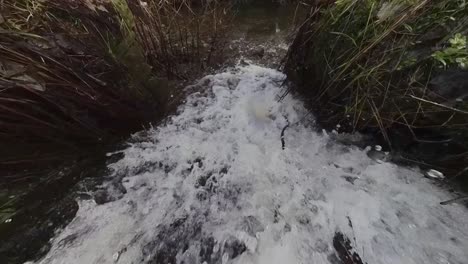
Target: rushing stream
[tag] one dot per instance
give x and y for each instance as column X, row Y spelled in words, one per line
column 214, row 185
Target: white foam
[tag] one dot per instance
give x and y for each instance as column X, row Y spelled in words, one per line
column 214, row 183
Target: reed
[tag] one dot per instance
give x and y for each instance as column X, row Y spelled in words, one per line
column 85, row 72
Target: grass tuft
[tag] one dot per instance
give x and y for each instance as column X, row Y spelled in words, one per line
column 373, row 65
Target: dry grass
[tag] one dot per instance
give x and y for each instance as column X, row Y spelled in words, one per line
column 179, row 39
column 60, row 60
column 76, row 76
column 55, row 86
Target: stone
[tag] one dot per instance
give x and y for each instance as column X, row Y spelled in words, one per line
column 258, row 52
column 101, row 197
column 451, row 84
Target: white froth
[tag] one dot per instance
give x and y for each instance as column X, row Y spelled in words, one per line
column 215, row 179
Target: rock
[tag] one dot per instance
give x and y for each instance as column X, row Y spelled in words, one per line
column 232, row 83
column 344, row 250
column 451, row 84
column 101, row 197
column 242, row 62
column 251, row 225
column 258, row 52
column 234, row 248
column 434, row 34
column 378, row 156
column 350, row 179
column 303, row 219
column 321, row 246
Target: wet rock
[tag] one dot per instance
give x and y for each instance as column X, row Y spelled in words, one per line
column 349, row 178
column 169, row 168
column 206, row 251
column 321, row 246
column 333, row 259
column 276, row 216
column 314, row 209
column 434, row 34
column 115, row 190
column 201, row 181
column 451, row 85
column 378, row 156
column 347, row 169
column 199, row 161
column 303, row 219
column 172, row 239
column 202, row 195
column 224, row 170
column 233, row 247
column 258, row 52
column 145, row 167
column 22, row 243
column 68, row 239
column 102, row 197
column 232, row 83
column 242, row 62
column 344, row 251
column 316, row 196
column 251, row 225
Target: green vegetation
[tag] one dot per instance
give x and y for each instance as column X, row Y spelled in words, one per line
column 391, row 68
column 455, row 54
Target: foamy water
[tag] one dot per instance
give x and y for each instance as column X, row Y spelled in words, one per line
column 213, row 185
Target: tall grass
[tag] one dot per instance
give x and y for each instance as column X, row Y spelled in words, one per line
column 180, row 39
column 76, row 76
column 55, row 86
column 368, row 65
column 83, row 71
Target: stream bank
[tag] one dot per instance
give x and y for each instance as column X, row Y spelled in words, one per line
column 53, row 177
column 394, row 71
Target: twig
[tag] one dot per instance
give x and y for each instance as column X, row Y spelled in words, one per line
column 458, row 199
column 439, row 105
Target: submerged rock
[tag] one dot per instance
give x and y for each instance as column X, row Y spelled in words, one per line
column 345, row 252
column 258, row 52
